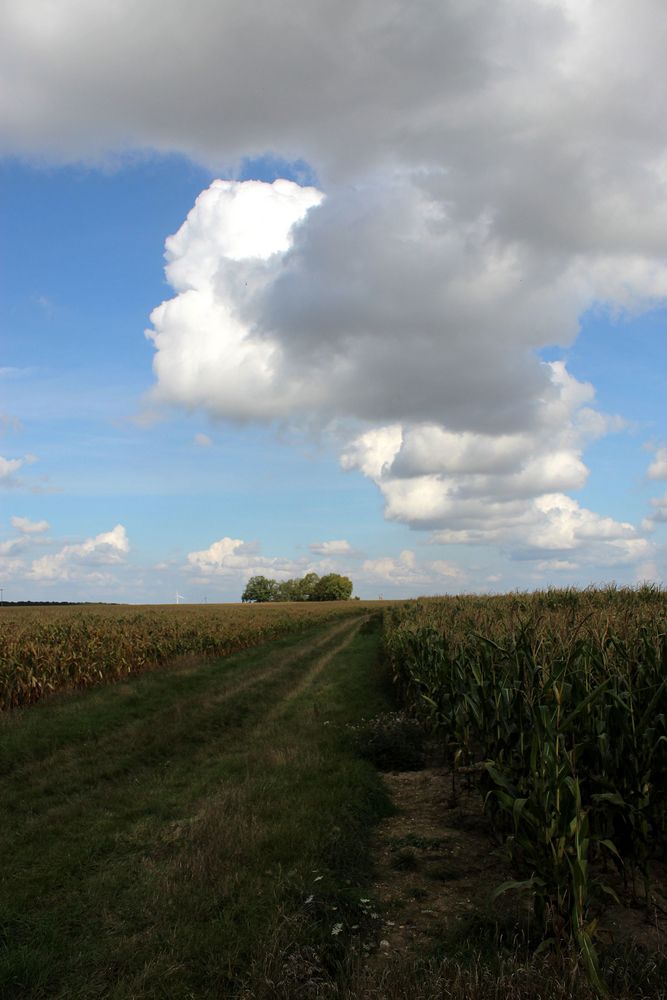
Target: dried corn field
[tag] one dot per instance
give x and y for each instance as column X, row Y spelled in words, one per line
column 555, row 704
column 47, row 649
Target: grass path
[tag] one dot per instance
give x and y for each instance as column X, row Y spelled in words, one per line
column 160, row 837
column 319, row 664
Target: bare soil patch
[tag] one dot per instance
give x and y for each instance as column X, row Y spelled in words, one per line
column 437, row 865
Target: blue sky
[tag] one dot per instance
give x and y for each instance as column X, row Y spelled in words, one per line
column 386, row 357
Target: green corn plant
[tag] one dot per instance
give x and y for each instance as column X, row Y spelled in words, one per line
column 563, row 694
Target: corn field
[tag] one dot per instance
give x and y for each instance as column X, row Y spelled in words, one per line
column 556, row 703
column 46, row 649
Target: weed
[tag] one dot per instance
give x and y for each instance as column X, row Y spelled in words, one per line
column 392, row 741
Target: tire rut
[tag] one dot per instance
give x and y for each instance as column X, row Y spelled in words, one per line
column 318, row 667
column 276, row 666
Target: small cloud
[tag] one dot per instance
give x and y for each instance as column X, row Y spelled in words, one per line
column 658, row 467
column 9, row 423
column 46, row 305
column 8, row 469
column 648, row 572
column 146, row 418
column 203, row 440
column 659, row 515
column 12, row 545
column 27, row 527
column 442, row 568
column 336, row 547
column 558, row 565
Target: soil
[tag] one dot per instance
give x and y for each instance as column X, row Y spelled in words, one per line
column 437, row 865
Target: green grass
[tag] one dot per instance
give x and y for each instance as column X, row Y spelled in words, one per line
column 161, row 837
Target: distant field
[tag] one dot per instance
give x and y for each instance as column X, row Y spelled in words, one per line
column 47, row 649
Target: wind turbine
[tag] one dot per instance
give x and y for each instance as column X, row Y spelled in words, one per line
column 179, row 597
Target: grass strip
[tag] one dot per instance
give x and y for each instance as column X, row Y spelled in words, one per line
column 174, row 836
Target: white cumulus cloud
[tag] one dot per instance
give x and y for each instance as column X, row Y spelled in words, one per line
column 27, row 527
column 232, row 557
column 659, row 513
column 230, row 245
column 408, row 572
column 8, row 469
column 492, row 170
column 382, row 307
column 658, row 467
column 86, row 560
column 505, row 489
column 336, row 547
column 12, row 545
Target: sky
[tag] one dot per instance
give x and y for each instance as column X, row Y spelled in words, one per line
column 373, row 287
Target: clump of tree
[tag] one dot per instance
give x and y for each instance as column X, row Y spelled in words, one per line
column 311, row 587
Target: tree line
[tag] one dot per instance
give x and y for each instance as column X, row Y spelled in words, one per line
column 311, row 587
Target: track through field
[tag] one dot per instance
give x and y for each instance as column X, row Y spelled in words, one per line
column 158, row 835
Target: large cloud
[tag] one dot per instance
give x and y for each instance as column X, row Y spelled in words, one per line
column 507, row 489
column 486, row 84
column 492, row 169
column 345, row 82
column 222, row 256
column 375, row 305
column 394, row 313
